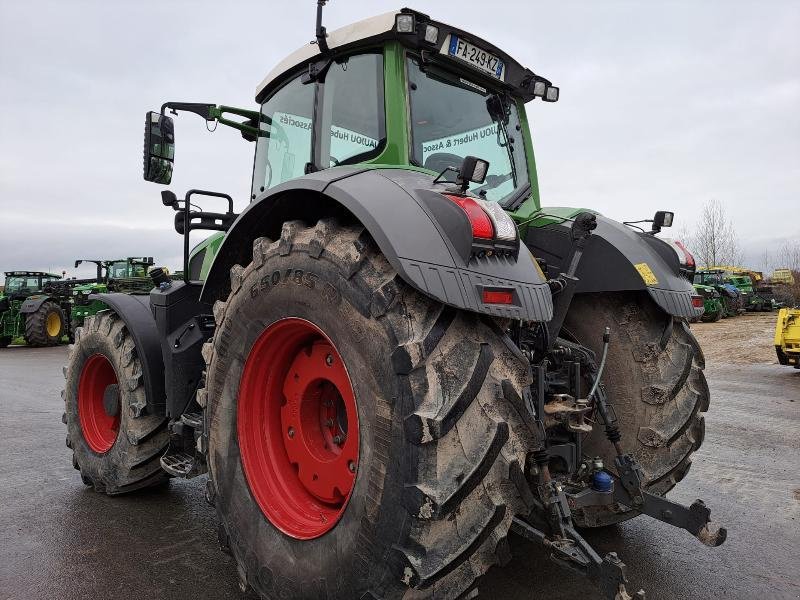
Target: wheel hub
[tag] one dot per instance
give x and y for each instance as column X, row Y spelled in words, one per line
column 316, row 414
column 98, row 403
column 298, row 428
column 53, row 324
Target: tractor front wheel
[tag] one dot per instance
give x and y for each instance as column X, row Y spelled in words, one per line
column 45, row 326
column 363, row 439
column 116, row 437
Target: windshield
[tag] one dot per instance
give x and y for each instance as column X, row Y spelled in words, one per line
column 15, row 284
column 452, row 118
column 118, row 269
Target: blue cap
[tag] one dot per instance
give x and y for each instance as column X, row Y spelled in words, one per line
column 602, row 481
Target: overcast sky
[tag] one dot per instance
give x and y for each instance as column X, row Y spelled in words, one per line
column 664, row 105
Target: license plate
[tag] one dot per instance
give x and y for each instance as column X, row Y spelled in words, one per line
column 477, row 57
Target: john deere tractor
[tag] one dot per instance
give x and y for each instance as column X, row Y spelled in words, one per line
column 30, row 311
column 731, row 297
column 713, row 309
column 125, row 275
column 394, row 357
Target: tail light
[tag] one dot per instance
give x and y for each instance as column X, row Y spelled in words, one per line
column 481, row 223
column 697, row 301
column 493, row 231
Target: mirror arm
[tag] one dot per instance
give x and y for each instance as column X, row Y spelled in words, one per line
column 199, row 108
column 212, row 112
column 253, row 116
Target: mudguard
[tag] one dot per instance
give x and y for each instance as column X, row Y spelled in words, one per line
column 32, row 303
column 415, row 227
column 617, row 258
column 136, row 313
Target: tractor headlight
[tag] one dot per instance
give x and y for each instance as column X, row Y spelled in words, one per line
column 431, row 34
column 404, row 23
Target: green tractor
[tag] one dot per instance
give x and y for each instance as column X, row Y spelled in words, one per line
column 394, row 357
column 731, row 297
column 713, row 309
column 744, row 284
column 30, row 310
column 124, row 275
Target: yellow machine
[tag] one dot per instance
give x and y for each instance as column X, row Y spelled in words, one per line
column 783, row 276
column 787, row 337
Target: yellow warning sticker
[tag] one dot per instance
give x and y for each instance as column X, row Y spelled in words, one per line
column 647, row 274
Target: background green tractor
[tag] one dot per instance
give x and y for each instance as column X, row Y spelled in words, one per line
column 124, row 275
column 713, row 309
column 30, row 311
column 744, row 283
column 730, row 296
column 392, row 358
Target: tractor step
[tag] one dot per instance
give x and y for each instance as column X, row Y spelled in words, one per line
column 178, row 464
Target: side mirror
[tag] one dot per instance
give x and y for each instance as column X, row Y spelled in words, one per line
column 159, row 147
column 663, row 218
column 168, row 198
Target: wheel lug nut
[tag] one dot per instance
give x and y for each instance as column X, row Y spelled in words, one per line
column 352, row 466
column 329, row 422
column 338, row 440
column 290, row 433
column 329, row 360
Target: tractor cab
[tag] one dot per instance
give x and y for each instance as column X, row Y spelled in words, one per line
column 21, row 284
column 133, row 266
column 384, row 92
column 399, row 89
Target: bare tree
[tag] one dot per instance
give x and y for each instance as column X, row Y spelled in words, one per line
column 766, row 261
column 789, row 255
column 715, row 241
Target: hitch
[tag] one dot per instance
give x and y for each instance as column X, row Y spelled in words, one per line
column 575, row 553
column 696, row 519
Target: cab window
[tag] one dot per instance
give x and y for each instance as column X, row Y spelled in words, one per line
column 284, row 147
column 352, row 111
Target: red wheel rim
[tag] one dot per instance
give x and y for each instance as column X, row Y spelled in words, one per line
column 298, row 428
column 99, row 428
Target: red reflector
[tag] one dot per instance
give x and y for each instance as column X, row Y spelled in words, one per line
column 697, row 301
column 480, row 221
column 498, row 297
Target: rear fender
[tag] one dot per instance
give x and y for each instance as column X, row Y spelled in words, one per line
column 420, row 232
column 138, row 318
column 617, row 258
column 32, row 303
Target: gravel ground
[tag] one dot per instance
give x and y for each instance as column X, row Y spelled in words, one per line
column 60, row 540
column 743, row 340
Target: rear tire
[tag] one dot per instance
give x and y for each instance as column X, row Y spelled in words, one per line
column 654, row 379
column 116, row 438
column 441, row 443
column 5, row 341
column 46, row 326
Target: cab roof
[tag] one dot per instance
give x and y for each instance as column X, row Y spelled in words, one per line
column 381, row 28
column 30, row 274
